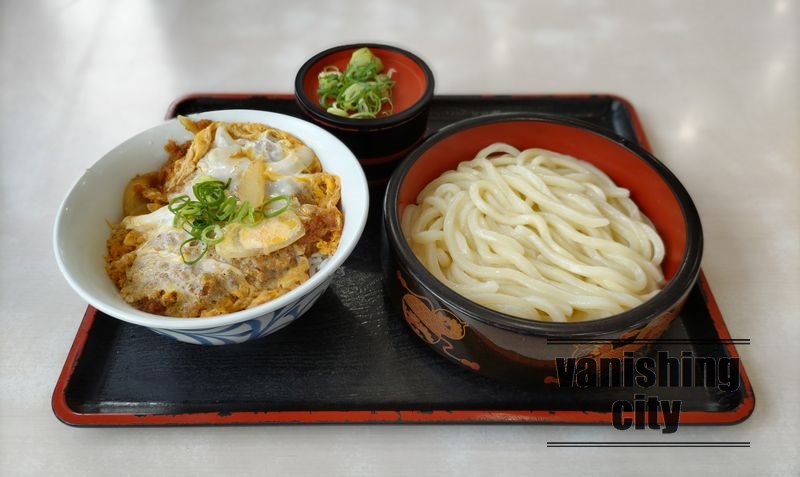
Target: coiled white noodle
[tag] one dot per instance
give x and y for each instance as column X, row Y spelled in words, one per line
column 536, row 234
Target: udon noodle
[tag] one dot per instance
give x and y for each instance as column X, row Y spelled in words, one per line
column 536, row 234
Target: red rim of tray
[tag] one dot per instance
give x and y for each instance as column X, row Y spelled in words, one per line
column 68, row 415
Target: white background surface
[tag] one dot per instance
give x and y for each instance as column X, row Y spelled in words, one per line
column 715, row 84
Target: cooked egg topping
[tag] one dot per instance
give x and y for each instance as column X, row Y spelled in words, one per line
column 249, row 261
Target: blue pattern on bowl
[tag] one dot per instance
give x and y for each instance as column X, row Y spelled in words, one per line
column 250, row 329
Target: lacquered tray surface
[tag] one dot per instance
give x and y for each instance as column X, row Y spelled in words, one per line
column 351, row 358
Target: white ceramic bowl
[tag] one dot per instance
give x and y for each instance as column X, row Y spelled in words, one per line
column 81, row 230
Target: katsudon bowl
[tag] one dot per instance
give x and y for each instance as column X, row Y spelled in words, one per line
column 81, row 230
column 523, row 350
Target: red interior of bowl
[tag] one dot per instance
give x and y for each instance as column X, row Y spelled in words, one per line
column 410, row 82
column 648, row 189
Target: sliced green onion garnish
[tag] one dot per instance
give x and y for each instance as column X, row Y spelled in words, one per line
column 271, row 212
column 361, row 91
column 192, row 259
column 212, row 234
column 178, row 203
column 227, row 209
column 204, row 219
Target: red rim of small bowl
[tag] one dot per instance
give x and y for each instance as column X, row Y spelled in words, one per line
column 312, row 106
column 676, row 288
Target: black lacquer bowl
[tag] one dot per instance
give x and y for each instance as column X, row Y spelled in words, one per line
column 379, row 143
column 512, row 348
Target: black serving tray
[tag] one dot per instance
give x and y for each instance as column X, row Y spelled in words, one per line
column 351, row 358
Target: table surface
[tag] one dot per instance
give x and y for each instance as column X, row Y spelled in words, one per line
column 715, row 84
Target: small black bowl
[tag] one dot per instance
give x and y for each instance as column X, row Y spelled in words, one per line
column 381, row 142
column 512, row 348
